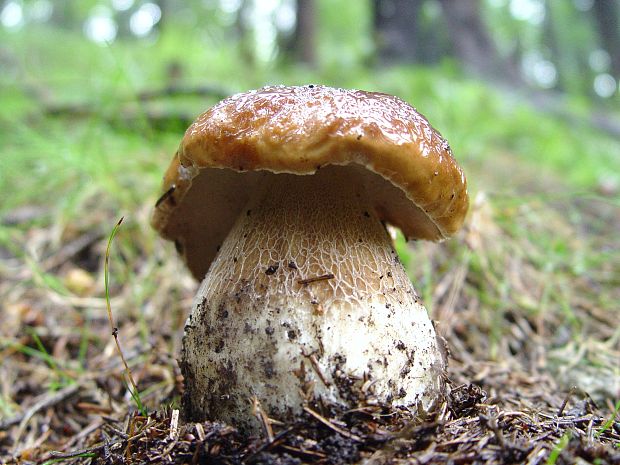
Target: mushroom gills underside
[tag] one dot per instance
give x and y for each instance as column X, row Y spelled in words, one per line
column 307, row 301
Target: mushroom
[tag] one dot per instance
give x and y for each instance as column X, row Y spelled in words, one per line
column 277, row 199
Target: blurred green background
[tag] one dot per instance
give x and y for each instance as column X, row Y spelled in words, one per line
column 85, row 83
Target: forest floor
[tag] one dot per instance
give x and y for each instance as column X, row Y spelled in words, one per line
column 530, row 383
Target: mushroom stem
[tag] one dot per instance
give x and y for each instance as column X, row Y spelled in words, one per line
column 307, row 299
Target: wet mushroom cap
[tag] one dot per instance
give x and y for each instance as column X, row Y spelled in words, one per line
column 405, row 165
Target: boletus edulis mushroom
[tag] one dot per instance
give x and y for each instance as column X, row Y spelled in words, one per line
column 277, row 199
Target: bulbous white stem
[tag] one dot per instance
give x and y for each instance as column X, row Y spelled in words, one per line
column 307, row 299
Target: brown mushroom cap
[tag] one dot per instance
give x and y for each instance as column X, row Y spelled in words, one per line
column 407, row 168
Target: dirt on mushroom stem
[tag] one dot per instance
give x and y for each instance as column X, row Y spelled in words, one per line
column 343, row 326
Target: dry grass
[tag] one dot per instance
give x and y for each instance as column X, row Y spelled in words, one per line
column 526, row 297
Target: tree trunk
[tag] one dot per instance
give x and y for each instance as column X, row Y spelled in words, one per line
column 304, row 37
column 300, row 45
column 244, row 36
column 472, row 43
column 397, row 28
column 64, row 15
column 606, row 15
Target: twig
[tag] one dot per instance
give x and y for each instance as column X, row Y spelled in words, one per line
column 128, row 113
column 105, row 445
column 200, row 432
column 174, row 424
column 330, row 425
column 260, row 414
column 77, row 453
column 107, row 450
column 315, row 365
column 47, row 401
column 71, row 249
column 571, row 391
column 175, row 90
column 491, row 422
column 122, row 434
column 314, row 279
column 96, row 424
column 299, row 451
column 268, row 445
column 124, row 117
column 165, row 452
column 133, row 435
